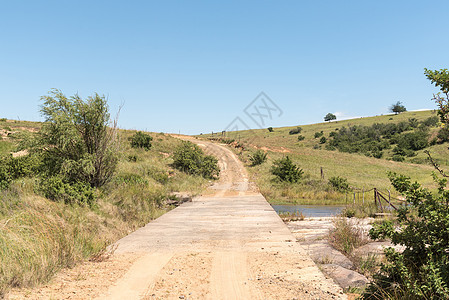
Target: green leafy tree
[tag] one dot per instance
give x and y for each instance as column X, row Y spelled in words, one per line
column 285, row 170
column 329, row 117
column 397, row 108
column 78, row 139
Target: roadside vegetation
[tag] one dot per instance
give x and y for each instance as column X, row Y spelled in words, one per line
column 77, row 185
column 421, row 270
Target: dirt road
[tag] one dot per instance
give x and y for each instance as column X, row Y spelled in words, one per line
column 227, row 244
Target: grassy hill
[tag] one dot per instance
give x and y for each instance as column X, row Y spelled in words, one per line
column 39, row 236
column 361, row 171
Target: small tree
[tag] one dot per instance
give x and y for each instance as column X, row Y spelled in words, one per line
column 329, row 117
column 270, row 129
column 76, row 139
column 286, row 170
column 397, row 108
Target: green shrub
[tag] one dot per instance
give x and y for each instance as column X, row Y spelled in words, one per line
column 13, row 168
column 285, row 170
column 301, row 138
column 318, row 134
column 270, row 129
column 377, row 153
column 421, row 270
column 258, row 157
column 416, row 140
column 403, row 152
column 295, row 131
column 54, row 188
column 398, row 157
column 190, row 159
column 322, row 140
column 413, row 122
column 431, row 121
column 339, row 183
column 3, row 119
column 443, row 135
column 141, row 140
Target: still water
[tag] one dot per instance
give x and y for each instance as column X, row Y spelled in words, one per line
column 311, row 210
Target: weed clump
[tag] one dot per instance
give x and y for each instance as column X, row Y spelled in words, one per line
column 346, row 237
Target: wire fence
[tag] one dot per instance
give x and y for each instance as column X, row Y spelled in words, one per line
column 383, row 199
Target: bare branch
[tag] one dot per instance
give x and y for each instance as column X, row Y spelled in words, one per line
column 435, row 164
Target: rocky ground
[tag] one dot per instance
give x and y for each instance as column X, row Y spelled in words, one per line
column 312, row 234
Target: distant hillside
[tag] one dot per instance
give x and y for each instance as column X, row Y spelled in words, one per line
column 312, row 153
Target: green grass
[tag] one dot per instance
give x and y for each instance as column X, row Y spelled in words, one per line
column 38, row 236
column 361, row 171
column 6, row 147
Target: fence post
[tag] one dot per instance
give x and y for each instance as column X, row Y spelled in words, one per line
column 363, row 196
column 375, row 196
column 322, row 173
column 389, row 199
column 354, row 198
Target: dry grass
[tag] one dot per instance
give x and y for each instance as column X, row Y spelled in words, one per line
column 38, row 237
column 345, row 237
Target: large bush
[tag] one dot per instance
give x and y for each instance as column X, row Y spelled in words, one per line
column 77, row 140
column 285, row 170
column 141, row 140
column 56, row 189
column 189, row 158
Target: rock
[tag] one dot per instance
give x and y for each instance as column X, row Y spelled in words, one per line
column 322, row 253
column 344, row 277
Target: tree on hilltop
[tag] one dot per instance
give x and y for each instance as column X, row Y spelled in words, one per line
column 329, row 117
column 397, row 108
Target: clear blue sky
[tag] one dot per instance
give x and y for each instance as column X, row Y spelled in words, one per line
column 193, row 66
